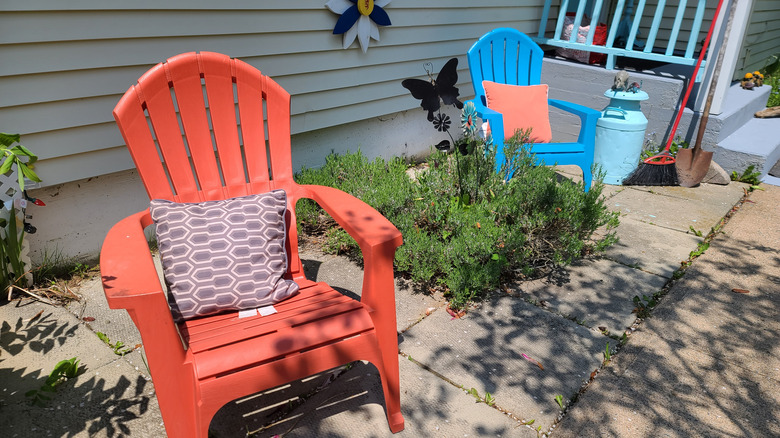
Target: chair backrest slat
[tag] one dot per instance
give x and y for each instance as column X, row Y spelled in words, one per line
column 278, row 108
column 250, row 107
column 157, row 99
column 131, row 119
column 218, row 78
column 188, row 95
column 505, row 56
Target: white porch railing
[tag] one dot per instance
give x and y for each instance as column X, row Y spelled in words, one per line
column 624, row 28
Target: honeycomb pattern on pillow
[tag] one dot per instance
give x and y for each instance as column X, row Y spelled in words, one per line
column 223, row 255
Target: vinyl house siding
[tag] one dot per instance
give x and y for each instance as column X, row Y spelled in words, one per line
column 761, row 45
column 67, row 63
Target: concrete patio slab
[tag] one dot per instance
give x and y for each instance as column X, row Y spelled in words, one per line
column 660, row 388
column 706, row 363
column 485, row 349
column 651, row 248
column 666, row 206
column 35, row 340
column 596, row 293
column 711, row 194
column 114, row 323
column 707, row 315
column 108, row 399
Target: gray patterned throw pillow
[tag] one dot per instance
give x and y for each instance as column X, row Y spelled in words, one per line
column 223, row 255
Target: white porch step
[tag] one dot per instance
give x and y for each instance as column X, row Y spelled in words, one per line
column 756, row 143
column 739, row 107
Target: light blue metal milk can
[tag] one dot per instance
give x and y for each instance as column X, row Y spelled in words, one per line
column 620, row 133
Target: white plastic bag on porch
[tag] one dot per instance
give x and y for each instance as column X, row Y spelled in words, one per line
column 599, row 39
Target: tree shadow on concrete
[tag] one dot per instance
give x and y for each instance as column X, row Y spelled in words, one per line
column 498, row 348
column 707, row 362
column 98, row 401
column 41, row 334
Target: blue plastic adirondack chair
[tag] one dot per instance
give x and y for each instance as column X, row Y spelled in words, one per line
column 508, row 56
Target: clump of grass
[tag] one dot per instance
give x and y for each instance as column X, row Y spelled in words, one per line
column 467, row 245
column 772, row 78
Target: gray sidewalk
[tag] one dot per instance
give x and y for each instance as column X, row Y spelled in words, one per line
column 705, row 364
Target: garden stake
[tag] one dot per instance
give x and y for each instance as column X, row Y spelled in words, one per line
column 659, row 170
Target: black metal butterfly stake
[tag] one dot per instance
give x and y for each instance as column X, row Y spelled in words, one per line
column 433, row 92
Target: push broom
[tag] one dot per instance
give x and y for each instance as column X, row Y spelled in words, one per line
column 660, row 170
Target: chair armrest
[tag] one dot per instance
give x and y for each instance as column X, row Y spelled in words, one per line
column 588, row 118
column 366, row 225
column 494, row 118
column 378, row 239
column 126, row 265
column 130, row 282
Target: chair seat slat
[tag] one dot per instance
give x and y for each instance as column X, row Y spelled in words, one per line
column 259, row 349
column 226, row 331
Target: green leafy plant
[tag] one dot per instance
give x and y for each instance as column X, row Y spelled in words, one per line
column 559, row 400
column 80, row 269
column 651, row 146
column 12, row 268
column 467, row 226
column 64, row 370
column 13, row 155
column 643, row 306
column 749, row 176
column 607, row 354
column 488, row 399
column 700, row 248
column 774, row 95
column 695, row 232
column 772, row 78
column 467, row 245
column 120, row 349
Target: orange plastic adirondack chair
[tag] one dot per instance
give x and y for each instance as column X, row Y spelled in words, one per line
column 224, row 357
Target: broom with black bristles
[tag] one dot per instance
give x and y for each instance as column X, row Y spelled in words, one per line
column 659, row 170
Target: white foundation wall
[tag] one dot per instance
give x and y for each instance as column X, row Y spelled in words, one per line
column 78, row 214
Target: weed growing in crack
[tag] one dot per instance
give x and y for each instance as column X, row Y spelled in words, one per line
column 643, row 306
column 559, row 400
column 64, row 370
column 700, row 248
column 119, row 347
column 488, row 399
